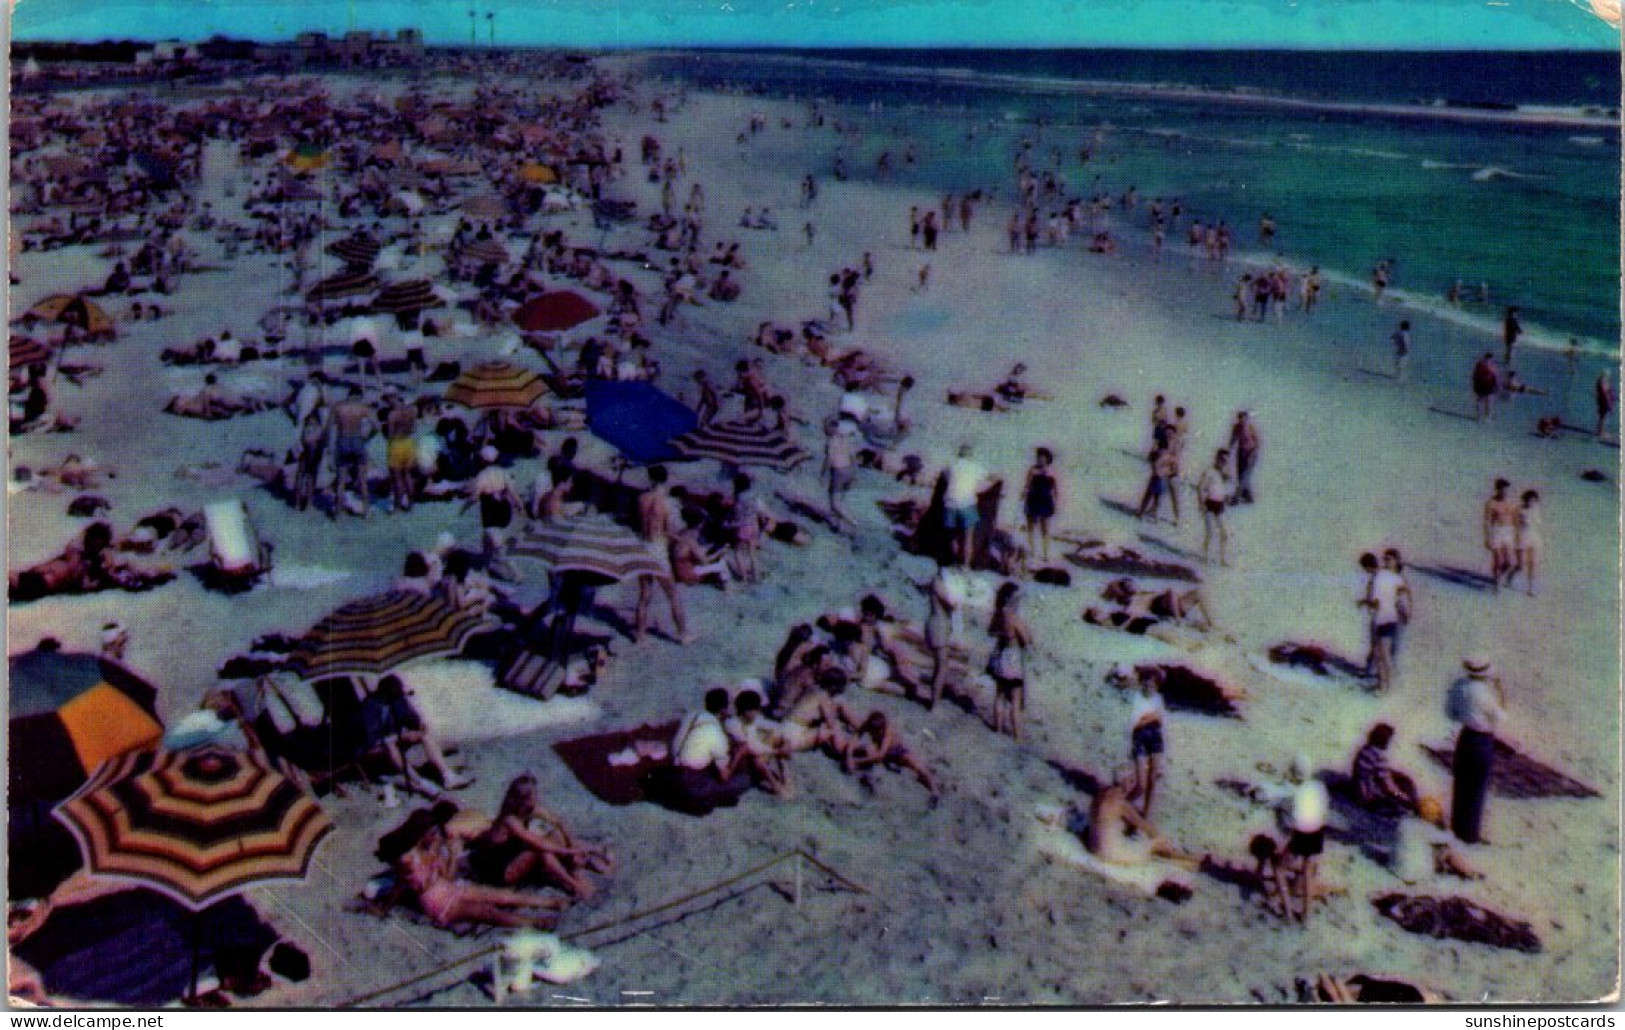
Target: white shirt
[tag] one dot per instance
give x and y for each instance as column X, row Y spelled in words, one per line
column 1145, row 707
column 1385, row 589
column 1475, row 706
column 965, row 478
column 701, row 743
column 1309, row 805
column 492, row 480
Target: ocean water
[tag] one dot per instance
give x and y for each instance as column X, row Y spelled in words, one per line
column 1530, row 210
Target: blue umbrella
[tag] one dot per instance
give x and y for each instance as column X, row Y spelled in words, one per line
column 638, row 420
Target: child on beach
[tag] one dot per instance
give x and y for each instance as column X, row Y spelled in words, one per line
column 1007, row 662
column 1213, row 488
column 1145, row 735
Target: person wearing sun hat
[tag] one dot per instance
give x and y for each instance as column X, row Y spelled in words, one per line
column 1477, row 702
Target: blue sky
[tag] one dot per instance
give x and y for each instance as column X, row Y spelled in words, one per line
column 1377, row 24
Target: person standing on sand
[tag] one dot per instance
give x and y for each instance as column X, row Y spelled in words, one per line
column 1307, row 822
column 944, row 596
column 1040, row 499
column 1007, row 663
column 913, row 228
column 1145, row 733
column 1477, row 703
column 1213, row 490
column 1605, row 401
column 966, row 481
column 657, row 524
column 1164, row 462
column 840, row 458
column 1531, row 540
column 1393, row 561
column 1379, row 280
column 1386, row 598
column 1311, row 289
column 709, row 403
column 1486, row 384
column 1402, row 348
column 1244, row 444
column 1501, row 534
column 401, row 454
column 1511, row 330
column 351, row 424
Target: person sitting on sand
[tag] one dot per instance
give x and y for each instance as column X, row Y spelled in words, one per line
column 425, row 860
column 1376, row 784
column 878, row 656
column 758, row 747
column 1117, row 832
column 876, row 744
column 693, row 561
column 526, row 841
column 389, row 717
column 818, row 718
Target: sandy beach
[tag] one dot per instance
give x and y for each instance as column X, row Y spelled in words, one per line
column 965, row 902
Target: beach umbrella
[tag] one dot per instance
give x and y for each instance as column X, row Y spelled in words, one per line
column 307, row 157
column 496, row 385
column 538, row 174
column 486, row 206
column 348, row 283
column 360, row 250
column 637, row 419
column 77, row 311
column 373, row 635
column 554, row 312
column 195, row 826
column 407, row 298
column 160, row 169
column 69, row 713
column 485, row 252
column 742, row 444
column 591, row 543
column 25, row 351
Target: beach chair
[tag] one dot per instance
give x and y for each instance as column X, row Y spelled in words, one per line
column 237, row 556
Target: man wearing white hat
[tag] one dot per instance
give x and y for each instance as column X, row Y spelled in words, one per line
column 1477, row 701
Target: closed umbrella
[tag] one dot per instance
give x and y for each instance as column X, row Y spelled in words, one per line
column 348, row 283
column 742, row 444
column 374, row 635
column 554, row 312
column 594, row 544
column 496, row 385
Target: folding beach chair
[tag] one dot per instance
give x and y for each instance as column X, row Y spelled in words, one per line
column 237, row 556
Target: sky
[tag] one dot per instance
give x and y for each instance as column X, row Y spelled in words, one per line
column 1306, row 24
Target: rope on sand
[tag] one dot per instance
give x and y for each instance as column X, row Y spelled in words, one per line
column 487, row 952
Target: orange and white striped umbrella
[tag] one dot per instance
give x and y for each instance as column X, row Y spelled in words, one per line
column 374, row 635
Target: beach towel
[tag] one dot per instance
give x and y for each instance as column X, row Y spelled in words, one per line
column 1125, row 561
column 1456, row 918
column 637, row 419
column 1185, row 689
column 613, row 784
column 1516, row 775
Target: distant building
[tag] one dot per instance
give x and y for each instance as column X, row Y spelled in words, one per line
column 355, row 48
column 171, row 50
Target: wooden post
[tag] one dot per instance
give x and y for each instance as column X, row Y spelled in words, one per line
column 798, row 879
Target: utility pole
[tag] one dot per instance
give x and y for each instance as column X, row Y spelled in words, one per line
column 491, row 27
column 473, row 22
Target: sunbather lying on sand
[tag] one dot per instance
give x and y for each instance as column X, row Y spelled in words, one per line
column 876, row 744
column 86, row 566
column 1134, row 605
column 213, row 402
column 427, row 861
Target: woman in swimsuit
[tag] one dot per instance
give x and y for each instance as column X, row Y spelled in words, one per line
column 1501, row 534
column 875, row 743
column 525, row 839
column 1530, row 519
column 425, row 859
column 1012, row 640
column 1040, row 498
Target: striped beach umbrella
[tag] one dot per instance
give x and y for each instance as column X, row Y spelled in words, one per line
column 77, row 311
column 538, row 174
column 485, row 252
column 69, row 713
column 485, row 206
column 742, row 444
column 496, row 385
column 307, row 157
column 360, row 250
column 374, row 635
column 554, row 312
column 407, row 298
column 349, row 283
column 594, row 544
column 25, row 351
column 196, row 826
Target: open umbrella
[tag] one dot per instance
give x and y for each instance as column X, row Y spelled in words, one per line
column 359, row 251
column 538, row 174
column 407, row 298
column 554, row 312
column 371, row 636
column 349, row 283
column 25, row 351
column 742, row 444
column 196, row 826
column 496, row 385
column 307, row 157
column 591, row 543
column 485, row 206
column 485, row 252
column 70, row 712
column 637, row 419
column 77, row 311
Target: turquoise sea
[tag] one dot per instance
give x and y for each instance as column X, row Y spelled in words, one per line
column 1531, row 210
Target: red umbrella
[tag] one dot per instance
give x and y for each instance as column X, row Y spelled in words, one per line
column 554, row 312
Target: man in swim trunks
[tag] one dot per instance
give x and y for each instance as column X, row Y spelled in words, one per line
column 1501, row 533
column 1486, row 384
column 1213, row 489
column 657, row 524
column 966, row 481
column 400, row 427
column 351, row 424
